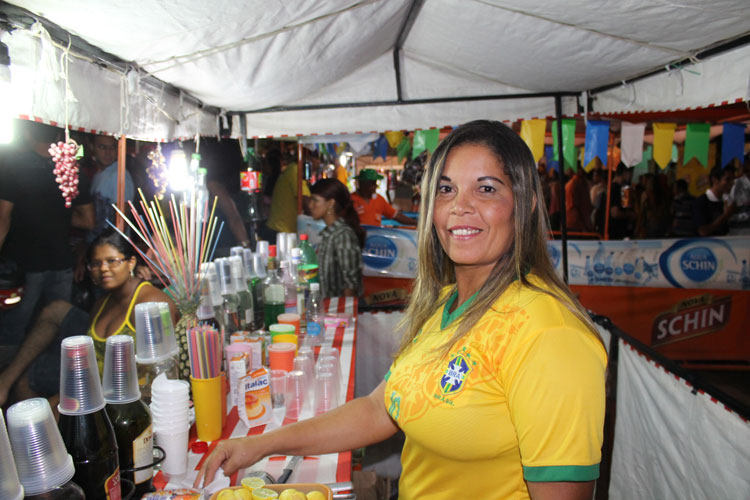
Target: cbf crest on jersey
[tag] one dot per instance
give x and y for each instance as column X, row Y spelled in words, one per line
column 453, row 379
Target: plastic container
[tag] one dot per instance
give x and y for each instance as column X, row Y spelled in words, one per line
column 10, row 486
column 120, row 378
column 80, row 387
column 151, row 341
column 278, row 488
column 41, row 459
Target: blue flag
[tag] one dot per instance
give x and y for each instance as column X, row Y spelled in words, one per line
column 552, row 164
column 597, row 141
column 380, row 147
column 732, row 143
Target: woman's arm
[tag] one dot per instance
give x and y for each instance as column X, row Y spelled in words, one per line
column 561, row 490
column 358, row 423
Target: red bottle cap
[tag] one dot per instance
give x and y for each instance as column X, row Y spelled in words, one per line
column 272, row 250
column 199, row 447
column 303, row 237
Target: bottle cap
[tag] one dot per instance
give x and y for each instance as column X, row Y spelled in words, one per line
column 80, row 386
column 120, row 379
column 10, row 486
column 303, row 237
column 272, row 250
column 42, row 461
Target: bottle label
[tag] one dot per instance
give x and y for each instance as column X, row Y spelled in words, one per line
column 313, row 328
column 143, row 454
column 112, row 486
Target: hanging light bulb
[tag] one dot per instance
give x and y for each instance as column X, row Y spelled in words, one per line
column 178, row 175
column 6, row 118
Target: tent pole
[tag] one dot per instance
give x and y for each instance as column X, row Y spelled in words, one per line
column 121, row 156
column 300, row 172
column 561, row 177
column 610, row 166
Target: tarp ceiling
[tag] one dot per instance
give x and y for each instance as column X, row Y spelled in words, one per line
column 256, row 54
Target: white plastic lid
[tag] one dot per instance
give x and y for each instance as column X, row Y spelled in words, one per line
column 314, row 287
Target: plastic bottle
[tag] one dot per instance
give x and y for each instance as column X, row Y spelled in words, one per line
column 589, row 270
column 609, row 267
column 288, row 277
column 309, row 260
column 599, row 264
column 303, row 289
column 246, row 309
column 230, row 303
column 273, row 291
column 314, row 314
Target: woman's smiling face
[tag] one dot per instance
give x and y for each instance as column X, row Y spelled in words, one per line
column 473, row 213
column 109, row 268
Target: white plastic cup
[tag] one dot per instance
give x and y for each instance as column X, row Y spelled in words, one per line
column 294, row 398
column 120, row 377
column 174, row 442
column 41, row 459
column 10, row 486
column 80, row 387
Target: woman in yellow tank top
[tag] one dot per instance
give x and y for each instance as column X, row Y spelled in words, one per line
column 111, row 262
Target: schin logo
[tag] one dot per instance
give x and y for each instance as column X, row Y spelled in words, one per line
column 699, row 264
column 691, row 318
column 379, row 252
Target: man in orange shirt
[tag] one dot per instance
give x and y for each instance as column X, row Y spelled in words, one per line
column 370, row 206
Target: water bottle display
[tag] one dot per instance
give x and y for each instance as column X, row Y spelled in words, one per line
column 315, row 319
column 273, row 291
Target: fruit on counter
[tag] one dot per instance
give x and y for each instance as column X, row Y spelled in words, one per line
column 292, row 494
column 316, row 495
column 234, row 494
column 264, row 494
column 252, row 483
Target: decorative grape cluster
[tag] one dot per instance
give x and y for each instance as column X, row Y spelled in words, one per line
column 157, row 172
column 66, row 168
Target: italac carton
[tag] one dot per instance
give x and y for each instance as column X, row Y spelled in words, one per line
column 255, row 392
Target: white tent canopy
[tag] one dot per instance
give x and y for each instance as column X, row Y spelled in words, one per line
column 398, row 64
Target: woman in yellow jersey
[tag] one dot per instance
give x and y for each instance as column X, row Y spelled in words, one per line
column 111, row 262
column 499, row 381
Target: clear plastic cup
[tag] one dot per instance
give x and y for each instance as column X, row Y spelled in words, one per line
column 277, row 379
column 41, row 459
column 329, row 360
column 151, row 345
column 281, row 246
column 170, row 338
column 326, row 393
column 10, row 486
column 295, row 396
column 259, row 264
column 261, row 248
column 329, row 351
column 120, row 377
column 304, row 363
column 80, row 387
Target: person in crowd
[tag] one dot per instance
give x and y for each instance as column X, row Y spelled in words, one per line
column 554, row 200
column 653, row 210
column 104, row 183
column 35, row 370
column 739, row 222
column 620, row 210
column 499, row 381
column 578, row 203
column 683, row 225
column 598, row 184
column 35, row 225
column 710, row 215
column 370, row 206
column 341, row 242
column 283, row 215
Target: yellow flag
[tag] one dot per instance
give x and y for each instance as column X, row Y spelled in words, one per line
column 394, row 138
column 663, row 138
column 532, row 133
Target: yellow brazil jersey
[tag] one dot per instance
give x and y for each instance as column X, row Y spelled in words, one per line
column 519, row 398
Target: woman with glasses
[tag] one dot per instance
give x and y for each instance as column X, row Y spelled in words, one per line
column 35, row 370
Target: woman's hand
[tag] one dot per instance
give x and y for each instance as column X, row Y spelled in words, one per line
column 231, row 455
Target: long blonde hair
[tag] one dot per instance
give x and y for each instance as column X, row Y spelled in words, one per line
column 528, row 252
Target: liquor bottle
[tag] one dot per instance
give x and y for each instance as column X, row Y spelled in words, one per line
column 208, row 312
column 309, row 261
column 314, row 315
column 245, row 308
column 257, row 277
column 273, row 291
column 303, row 289
column 84, row 425
column 230, row 303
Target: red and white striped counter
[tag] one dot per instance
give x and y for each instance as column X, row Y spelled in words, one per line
column 326, row 469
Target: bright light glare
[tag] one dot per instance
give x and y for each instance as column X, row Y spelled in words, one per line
column 178, row 175
column 6, row 117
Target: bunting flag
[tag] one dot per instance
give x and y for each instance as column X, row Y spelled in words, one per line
column 552, row 164
column 597, row 141
column 340, row 148
column 394, row 138
column 532, row 133
column 732, row 143
column 663, row 139
column 696, row 142
column 425, row 140
column 380, row 147
column 403, row 148
column 642, row 167
column 631, row 143
column 568, row 141
column 331, row 149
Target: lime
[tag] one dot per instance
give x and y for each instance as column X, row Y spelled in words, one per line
column 264, row 493
column 252, row 483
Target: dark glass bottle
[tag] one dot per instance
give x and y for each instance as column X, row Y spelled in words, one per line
column 68, row 491
column 135, row 443
column 90, row 440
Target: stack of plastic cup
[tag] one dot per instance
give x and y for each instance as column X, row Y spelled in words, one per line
column 42, row 461
column 80, row 387
column 261, row 248
column 120, row 378
column 295, row 396
column 170, row 414
column 304, row 363
column 153, row 342
column 10, row 486
column 169, row 334
column 277, row 381
column 326, row 392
